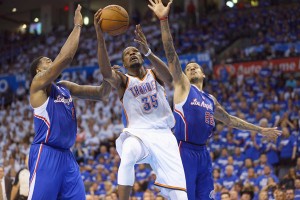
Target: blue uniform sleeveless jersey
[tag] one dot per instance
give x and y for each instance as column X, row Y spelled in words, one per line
column 54, row 172
column 56, row 126
column 194, row 125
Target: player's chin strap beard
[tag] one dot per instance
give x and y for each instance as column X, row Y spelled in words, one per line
column 195, row 80
column 136, row 65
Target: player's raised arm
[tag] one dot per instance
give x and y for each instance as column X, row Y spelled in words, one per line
column 160, row 68
column 87, row 91
column 162, row 12
column 222, row 115
column 115, row 79
column 64, row 58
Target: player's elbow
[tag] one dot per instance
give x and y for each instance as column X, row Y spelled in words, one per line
column 169, row 79
column 229, row 121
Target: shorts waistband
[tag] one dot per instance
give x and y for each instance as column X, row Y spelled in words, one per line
column 51, row 147
column 193, row 146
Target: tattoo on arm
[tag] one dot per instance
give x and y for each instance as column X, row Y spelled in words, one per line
column 169, row 48
column 241, row 124
column 229, row 120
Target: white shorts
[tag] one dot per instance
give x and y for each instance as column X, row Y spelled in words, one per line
column 162, row 153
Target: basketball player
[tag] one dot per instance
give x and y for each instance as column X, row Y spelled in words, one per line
column 195, row 111
column 147, row 137
column 54, row 173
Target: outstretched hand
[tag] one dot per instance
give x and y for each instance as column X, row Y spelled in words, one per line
column 159, row 9
column 78, row 17
column 98, row 21
column 270, row 133
column 141, row 39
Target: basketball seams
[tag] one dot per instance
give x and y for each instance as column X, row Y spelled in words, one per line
column 117, row 12
column 115, row 29
column 115, row 20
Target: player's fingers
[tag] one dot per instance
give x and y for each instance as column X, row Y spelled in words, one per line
column 98, row 11
column 140, row 29
column 151, row 7
column 100, row 21
column 116, row 67
column 138, row 41
column 156, row 1
column 78, row 8
column 151, row 2
column 98, row 15
column 136, row 34
column 159, row 1
column 169, row 4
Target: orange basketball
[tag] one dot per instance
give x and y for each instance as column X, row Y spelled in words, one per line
column 115, row 20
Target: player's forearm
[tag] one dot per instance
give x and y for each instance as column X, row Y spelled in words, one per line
column 169, row 48
column 242, row 124
column 162, row 69
column 103, row 59
column 71, row 45
column 87, row 91
column 94, row 92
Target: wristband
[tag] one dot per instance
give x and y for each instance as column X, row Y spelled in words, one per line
column 148, row 53
column 163, row 18
column 79, row 25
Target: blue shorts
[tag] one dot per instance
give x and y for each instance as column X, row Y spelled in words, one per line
column 198, row 171
column 54, row 174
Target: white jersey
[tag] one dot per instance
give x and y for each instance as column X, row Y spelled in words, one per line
column 145, row 104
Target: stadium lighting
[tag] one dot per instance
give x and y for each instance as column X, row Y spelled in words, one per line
column 229, row 4
column 234, row 1
column 86, row 20
column 36, row 19
column 24, row 26
column 14, row 10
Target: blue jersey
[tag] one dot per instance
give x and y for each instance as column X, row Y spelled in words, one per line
column 55, row 121
column 195, row 117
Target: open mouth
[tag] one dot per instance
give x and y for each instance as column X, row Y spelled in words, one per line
column 133, row 58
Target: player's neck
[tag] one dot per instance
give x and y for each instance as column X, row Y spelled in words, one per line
column 199, row 85
column 137, row 72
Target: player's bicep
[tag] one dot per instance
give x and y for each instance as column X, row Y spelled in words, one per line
column 44, row 78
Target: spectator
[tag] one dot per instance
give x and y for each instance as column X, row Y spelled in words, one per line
column 6, row 185
column 229, row 179
column 287, row 146
column 297, row 189
column 225, row 196
column 20, row 189
column 234, row 195
column 263, row 180
column 289, row 194
column 247, row 195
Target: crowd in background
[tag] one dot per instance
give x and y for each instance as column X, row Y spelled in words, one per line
column 244, row 164
column 242, row 160
column 264, row 26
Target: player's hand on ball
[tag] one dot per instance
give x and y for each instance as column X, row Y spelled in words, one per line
column 271, row 133
column 97, row 22
column 78, row 17
column 159, row 9
column 141, row 39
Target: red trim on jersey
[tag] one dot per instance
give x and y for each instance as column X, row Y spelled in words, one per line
column 47, row 123
column 185, row 124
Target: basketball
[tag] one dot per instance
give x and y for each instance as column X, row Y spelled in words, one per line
column 115, row 20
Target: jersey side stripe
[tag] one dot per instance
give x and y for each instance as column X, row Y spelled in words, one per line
column 185, row 123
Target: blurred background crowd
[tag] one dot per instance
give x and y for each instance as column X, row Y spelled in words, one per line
column 245, row 166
